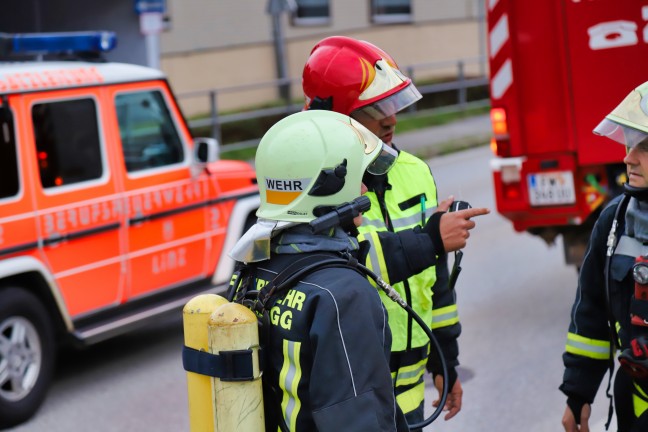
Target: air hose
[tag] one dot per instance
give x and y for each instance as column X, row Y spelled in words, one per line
column 345, row 213
column 341, row 215
column 394, row 296
column 391, row 293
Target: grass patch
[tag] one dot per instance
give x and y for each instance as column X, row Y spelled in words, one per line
column 406, row 122
column 239, row 154
column 434, row 109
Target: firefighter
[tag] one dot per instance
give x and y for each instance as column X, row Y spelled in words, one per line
column 327, row 338
column 358, row 79
column 610, row 312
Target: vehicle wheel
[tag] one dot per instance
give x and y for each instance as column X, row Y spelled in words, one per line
column 27, row 355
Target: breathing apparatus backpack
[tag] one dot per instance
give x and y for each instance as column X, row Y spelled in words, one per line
column 243, row 290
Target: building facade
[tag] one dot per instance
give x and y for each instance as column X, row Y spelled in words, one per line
column 219, row 44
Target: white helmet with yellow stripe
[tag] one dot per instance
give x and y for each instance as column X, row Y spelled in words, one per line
column 312, row 161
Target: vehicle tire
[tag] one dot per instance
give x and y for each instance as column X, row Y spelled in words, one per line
column 27, row 355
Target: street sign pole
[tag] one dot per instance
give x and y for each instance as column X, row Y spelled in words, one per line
column 276, row 8
column 151, row 15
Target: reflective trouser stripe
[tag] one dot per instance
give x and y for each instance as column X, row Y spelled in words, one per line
column 409, row 385
column 375, row 259
column 592, row 348
column 640, row 401
column 445, row 316
column 289, row 378
column 410, row 399
column 618, row 330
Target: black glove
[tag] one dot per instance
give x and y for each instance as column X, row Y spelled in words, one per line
column 452, row 377
column 575, row 404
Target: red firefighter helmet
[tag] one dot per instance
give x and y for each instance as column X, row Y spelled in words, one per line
column 346, row 75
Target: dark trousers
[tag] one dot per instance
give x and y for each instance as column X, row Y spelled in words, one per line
column 416, row 416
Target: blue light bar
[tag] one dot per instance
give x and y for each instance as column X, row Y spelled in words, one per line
column 50, row 43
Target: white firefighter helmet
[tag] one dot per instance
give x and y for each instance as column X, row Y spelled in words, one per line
column 628, row 122
column 313, row 160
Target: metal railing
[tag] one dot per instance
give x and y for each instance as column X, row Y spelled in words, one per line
column 461, row 83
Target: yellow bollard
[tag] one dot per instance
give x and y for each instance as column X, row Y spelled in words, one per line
column 195, row 317
column 239, row 404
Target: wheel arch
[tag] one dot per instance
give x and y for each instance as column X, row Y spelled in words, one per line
column 32, row 275
column 243, row 209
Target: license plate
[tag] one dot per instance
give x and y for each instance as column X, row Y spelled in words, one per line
column 551, row 188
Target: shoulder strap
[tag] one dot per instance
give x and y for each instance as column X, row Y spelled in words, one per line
column 239, row 284
column 612, row 241
column 298, row 269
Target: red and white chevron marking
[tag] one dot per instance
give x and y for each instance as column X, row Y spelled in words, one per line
column 499, row 34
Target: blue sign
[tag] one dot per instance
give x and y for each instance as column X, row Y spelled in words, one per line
column 150, row 6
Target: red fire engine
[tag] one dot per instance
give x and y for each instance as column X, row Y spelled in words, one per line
column 557, row 68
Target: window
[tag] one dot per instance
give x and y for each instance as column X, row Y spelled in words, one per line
column 9, row 184
column 67, row 142
column 311, row 12
column 391, row 11
column 149, row 136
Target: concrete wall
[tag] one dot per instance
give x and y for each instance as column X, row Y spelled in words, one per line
column 20, row 16
column 204, row 25
column 225, row 43
column 216, row 44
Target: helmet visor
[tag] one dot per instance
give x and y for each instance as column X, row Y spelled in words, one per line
column 384, row 161
column 389, row 105
column 629, row 137
column 385, row 156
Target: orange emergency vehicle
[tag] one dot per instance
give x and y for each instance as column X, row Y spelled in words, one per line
column 557, row 67
column 110, row 213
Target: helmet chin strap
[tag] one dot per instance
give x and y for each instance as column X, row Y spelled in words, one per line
column 640, row 194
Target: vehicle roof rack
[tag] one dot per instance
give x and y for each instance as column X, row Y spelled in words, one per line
column 85, row 45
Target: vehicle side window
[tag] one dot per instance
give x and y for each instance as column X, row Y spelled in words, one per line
column 9, row 184
column 67, row 142
column 149, row 136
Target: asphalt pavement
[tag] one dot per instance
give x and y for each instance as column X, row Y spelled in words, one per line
column 457, row 136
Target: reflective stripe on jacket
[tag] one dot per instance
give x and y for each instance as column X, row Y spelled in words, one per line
column 410, row 181
column 587, row 351
column 326, row 353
